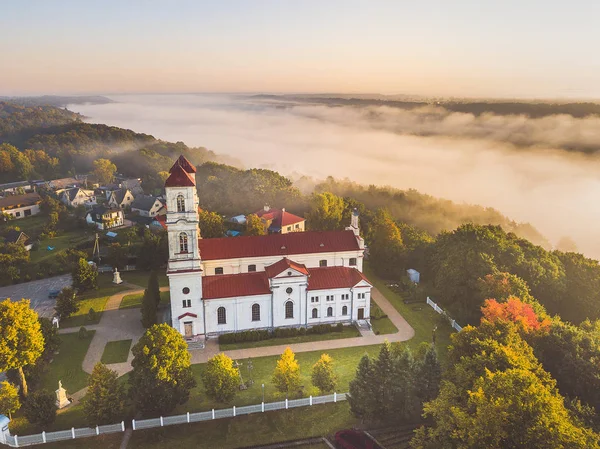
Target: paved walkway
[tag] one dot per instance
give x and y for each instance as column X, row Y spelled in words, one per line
column 37, row 292
column 405, row 332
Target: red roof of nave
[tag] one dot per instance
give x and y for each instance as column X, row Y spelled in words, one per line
column 278, row 244
column 284, row 264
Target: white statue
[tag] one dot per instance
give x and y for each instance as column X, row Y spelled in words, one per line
column 61, row 396
column 117, row 277
column 55, row 322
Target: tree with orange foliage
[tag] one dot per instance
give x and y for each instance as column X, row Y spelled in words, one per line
column 516, row 311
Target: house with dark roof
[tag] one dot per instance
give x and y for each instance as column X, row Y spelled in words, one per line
column 148, row 206
column 76, row 196
column 20, row 206
column 12, row 188
column 18, row 237
column 120, row 198
column 280, row 221
column 105, row 217
column 285, row 279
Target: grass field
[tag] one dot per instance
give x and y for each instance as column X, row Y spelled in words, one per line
column 60, row 242
column 140, row 278
column 116, row 351
column 66, row 365
column 95, row 299
column 249, row 430
column 131, row 301
column 348, row 332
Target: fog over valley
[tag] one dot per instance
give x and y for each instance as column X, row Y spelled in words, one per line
column 543, row 170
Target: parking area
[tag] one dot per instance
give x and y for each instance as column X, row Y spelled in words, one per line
column 37, row 291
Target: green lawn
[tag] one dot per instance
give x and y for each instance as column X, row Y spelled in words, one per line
column 30, row 225
column 250, row 430
column 95, row 299
column 131, row 301
column 348, row 332
column 140, row 278
column 60, row 242
column 116, row 351
column 383, row 326
column 66, row 365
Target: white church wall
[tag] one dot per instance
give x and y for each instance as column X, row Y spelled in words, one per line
column 238, row 313
column 281, row 295
column 337, row 303
column 177, row 283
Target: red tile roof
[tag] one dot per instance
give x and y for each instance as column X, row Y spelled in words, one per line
column 278, row 244
column 185, row 164
column 230, row 285
column 279, row 217
column 334, row 277
column 179, row 178
column 252, row 284
column 283, row 265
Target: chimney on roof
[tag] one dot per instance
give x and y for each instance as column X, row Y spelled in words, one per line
column 282, row 210
column 267, row 208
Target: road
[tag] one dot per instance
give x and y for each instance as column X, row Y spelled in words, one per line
column 37, row 292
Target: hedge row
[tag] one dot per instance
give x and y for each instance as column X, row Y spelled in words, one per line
column 282, row 332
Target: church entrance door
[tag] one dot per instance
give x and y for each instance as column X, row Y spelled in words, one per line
column 188, row 329
column 361, row 313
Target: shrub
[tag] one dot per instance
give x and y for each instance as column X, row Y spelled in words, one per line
column 40, row 407
column 83, row 333
column 92, row 315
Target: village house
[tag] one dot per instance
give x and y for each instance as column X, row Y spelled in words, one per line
column 63, row 183
column 121, row 198
column 104, row 217
column 18, row 237
column 12, row 188
column 280, row 221
column 77, row 197
column 20, row 206
column 148, row 206
column 294, row 279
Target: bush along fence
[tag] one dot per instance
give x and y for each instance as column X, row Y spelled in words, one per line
column 139, row 424
column 439, row 310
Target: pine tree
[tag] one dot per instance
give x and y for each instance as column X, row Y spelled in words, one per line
column 104, row 402
column 153, row 287
column 428, row 375
column 221, row 379
column 286, row 376
column 384, row 372
column 323, row 376
column 149, row 310
column 362, row 401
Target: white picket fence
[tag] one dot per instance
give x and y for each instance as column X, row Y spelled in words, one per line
column 47, row 437
column 439, row 310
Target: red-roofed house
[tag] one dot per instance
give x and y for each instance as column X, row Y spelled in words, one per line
column 281, row 221
column 258, row 282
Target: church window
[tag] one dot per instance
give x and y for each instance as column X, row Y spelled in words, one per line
column 255, row 312
column 361, row 296
column 185, row 290
column 219, row 270
column 322, row 263
column 183, row 243
column 345, row 310
column 352, row 262
column 329, row 311
column 221, row 315
column 289, row 273
column 315, row 313
column 289, row 290
column 180, row 203
column 345, row 296
column 187, row 303
column 329, row 298
column 251, row 268
column 314, row 299
column 289, row 309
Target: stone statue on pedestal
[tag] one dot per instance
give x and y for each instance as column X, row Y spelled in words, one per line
column 61, row 396
column 117, row 277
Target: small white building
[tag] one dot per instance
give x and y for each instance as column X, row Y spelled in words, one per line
column 105, row 218
column 20, row 206
column 75, row 197
column 147, row 206
column 294, row 279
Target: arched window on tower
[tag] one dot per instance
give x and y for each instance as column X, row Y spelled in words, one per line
column 180, row 203
column 221, row 315
column 183, row 243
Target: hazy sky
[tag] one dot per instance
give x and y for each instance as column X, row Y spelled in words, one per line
column 545, row 48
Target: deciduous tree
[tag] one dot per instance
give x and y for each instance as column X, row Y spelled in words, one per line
column 85, row 276
column 254, row 225
column 326, row 211
column 104, row 171
column 211, row 224
column 162, row 375
column 40, row 407
column 66, row 303
column 9, row 399
column 21, row 339
column 323, row 376
column 220, row 378
column 104, row 402
column 286, row 376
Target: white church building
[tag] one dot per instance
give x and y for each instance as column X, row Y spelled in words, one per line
column 234, row 284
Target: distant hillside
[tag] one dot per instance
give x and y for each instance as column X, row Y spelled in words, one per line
column 58, row 100
column 534, row 109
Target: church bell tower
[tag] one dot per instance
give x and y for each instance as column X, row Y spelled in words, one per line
column 184, row 267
